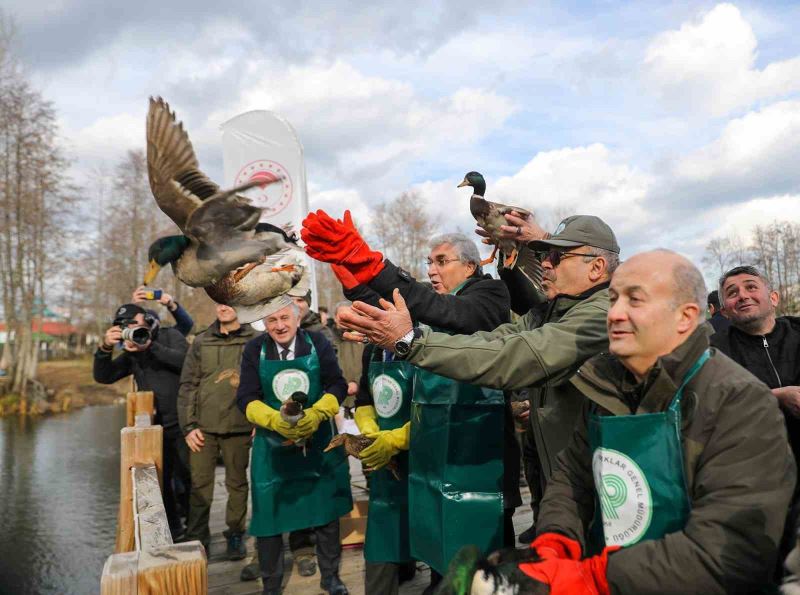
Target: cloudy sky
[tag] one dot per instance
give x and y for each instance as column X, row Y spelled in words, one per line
column 674, row 121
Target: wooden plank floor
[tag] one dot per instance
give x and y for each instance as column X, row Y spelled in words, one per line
column 223, row 575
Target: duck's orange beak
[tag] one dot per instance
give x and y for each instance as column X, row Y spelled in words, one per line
column 465, row 182
column 151, row 273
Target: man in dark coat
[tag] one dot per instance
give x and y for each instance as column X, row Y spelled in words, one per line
column 156, row 366
column 718, row 321
column 463, row 301
column 286, row 342
column 769, row 348
column 710, row 522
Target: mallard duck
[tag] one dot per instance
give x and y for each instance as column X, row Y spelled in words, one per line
column 354, row 444
column 292, row 412
column 221, row 229
column 490, row 216
column 251, row 289
column 498, row 574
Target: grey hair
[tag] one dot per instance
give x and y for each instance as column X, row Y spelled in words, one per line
column 342, row 304
column 295, row 309
column 690, row 287
column 466, row 248
column 743, row 270
column 611, row 258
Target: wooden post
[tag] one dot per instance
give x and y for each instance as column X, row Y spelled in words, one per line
column 138, row 402
column 138, row 445
column 180, row 569
column 152, row 528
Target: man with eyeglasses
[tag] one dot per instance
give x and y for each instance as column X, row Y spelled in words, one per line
column 455, row 481
column 541, row 351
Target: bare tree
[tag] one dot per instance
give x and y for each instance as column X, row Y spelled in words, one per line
column 402, row 228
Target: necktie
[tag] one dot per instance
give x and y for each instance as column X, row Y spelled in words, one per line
column 284, row 353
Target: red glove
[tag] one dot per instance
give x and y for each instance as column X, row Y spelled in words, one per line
column 338, row 242
column 572, row 577
column 551, row 546
column 345, row 277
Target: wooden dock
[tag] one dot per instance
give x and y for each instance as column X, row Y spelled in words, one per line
column 223, row 575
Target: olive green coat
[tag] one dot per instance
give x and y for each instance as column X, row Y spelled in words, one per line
column 739, row 469
column 210, row 377
column 540, row 351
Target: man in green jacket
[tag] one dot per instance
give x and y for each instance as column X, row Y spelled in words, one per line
column 540, row 351
column 679, row 457
column 212, row 423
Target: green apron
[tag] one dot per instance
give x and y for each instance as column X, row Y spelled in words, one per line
column 291, row 491
column 391, row 384
column 638, row 469
column 456, row 469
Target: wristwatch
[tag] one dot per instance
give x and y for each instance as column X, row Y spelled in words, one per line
column 402, row 347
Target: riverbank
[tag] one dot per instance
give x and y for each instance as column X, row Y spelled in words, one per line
column 69, row 385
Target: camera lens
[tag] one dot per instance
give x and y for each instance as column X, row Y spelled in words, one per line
column 139, row 335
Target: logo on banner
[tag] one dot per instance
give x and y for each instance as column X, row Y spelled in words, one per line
column 273, row 198
column 287, row 382
column 624, row 494
column 387, row 394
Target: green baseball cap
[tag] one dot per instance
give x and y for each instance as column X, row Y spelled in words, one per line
column 579, row 230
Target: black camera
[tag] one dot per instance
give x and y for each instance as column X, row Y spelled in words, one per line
column 137, row 334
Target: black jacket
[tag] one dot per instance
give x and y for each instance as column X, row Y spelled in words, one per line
column 250, row 384
column 773, row 358
column 718, row 322
column 481, row 305
column 158, row 369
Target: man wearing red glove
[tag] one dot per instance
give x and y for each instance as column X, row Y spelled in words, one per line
column 679, row 456
column 463, row 300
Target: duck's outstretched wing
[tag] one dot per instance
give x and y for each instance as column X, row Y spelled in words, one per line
column 178, row 186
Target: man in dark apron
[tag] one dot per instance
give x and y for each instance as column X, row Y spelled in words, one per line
column 294, row 487
column 383, row 411
column 455, row 481
column 678, row 475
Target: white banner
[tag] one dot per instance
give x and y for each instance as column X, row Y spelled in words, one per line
column 261, row 145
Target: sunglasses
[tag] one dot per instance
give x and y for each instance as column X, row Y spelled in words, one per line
column 555, row 256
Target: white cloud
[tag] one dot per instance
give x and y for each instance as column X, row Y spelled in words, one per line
column 362, row 127
column 756, row 154
column 709, row 65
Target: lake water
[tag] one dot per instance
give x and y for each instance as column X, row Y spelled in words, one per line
column 59, row 495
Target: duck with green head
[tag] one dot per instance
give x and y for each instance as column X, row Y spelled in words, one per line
column 222, row 240
column 491, row 217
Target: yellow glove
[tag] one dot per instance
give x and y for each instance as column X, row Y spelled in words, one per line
column 367, row 419
column 387, row 444
column 324, row 408
column 261, row 414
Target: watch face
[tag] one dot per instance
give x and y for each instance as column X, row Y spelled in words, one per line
column 402, row 348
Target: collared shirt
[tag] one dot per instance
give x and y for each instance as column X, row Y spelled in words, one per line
column 290, row 349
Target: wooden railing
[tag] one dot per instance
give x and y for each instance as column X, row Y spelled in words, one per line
column 146, row 561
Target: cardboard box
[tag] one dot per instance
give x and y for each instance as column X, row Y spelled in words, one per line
column 353, row 527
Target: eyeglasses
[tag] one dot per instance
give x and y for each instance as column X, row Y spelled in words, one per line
column 555, row 256
column 439, row 261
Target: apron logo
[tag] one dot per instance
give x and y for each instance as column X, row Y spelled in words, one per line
column 387, row 394
column 626, row 505
column 287, row 382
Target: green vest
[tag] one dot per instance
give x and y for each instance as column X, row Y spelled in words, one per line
column 640, row 482
column 391, row 384
column 291, row 490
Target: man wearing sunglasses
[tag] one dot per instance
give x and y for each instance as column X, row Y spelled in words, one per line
column 541, row 351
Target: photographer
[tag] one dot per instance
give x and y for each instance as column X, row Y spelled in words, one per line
column 154, row 356
column 183, row 322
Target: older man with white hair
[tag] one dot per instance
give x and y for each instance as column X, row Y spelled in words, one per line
column 294, row 484
column 455, row 435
